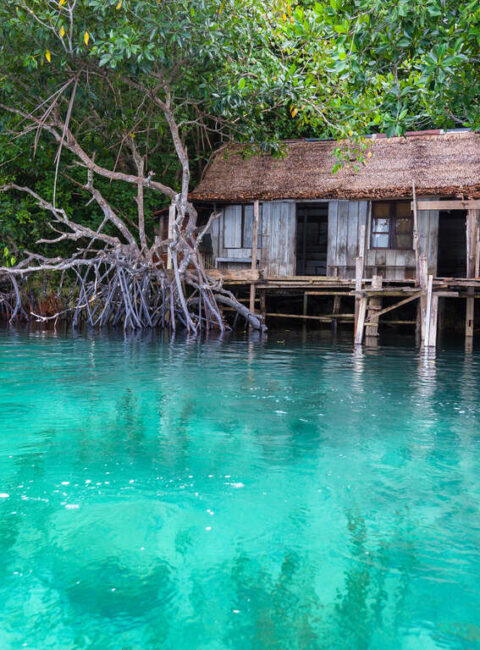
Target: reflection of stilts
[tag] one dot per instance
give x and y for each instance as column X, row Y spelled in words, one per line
column 358, row 368
column 427, row 372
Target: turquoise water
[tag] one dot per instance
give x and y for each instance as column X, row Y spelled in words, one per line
column 236, row 495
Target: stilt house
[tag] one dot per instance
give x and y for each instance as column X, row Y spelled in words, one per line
column 409, row 213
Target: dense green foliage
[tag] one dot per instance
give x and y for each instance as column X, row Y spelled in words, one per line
column 238, row 70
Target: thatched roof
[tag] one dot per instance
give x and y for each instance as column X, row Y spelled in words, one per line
column 441, row 164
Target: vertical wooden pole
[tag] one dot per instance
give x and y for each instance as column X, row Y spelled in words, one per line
column 469, row 316
column 304, row 244
column 477, row 252
column 263, row 304
column 431, row 316
column 171, row 221
column 472, row 238
column 415, row 235
column 433, row 327
column 256, row 219
column 337, row 301
column 305, row 312
column 359, row 267
column 428, row 311
column 418, row 324
column 441, row 315
column 423, row 282
column 472, row 268
column 360, row 303
column 374, row 304
column 361, row 321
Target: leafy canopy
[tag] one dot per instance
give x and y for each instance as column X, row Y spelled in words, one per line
column 243, row 70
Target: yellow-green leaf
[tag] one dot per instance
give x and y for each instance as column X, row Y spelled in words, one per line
column 48, row 55
column 62, row 31
column 86, row 38
column 119, row 5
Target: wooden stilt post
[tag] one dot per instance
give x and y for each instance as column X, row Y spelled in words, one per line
column 418, row 324
column 431, row 316
column 472, row 239
column 423, row 282
column 362, row 312
column 305, row 303
column 374, row 305
column 263, row 304
column 441, row 316
column 337, row 301
column 359, row 267
column 415, row 235
column 433, row 327
column 428, row 311
column 305, row 312
column 469, row 316
column 360, row 302
column 472, row 233
column 256, row 219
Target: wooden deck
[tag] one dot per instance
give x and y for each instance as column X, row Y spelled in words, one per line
column 367, row 295
column 329, row 285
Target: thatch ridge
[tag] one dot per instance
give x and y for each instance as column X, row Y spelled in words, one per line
column 441, row 164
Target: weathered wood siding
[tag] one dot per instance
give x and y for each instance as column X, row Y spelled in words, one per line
column 345, row 220
column 231, row 240
column 279, row 238
column 400, row 264
column 215, row 229
column 230, row 234
column 428, row 237
column 232, row 237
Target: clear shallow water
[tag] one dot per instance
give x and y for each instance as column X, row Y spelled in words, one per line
column 237, row 495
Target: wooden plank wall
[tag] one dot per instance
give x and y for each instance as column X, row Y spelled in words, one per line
column 400, row 264
column 279, row 238
column 232, row 227
column 428, row 238
column 345, row 219
column 276, row 238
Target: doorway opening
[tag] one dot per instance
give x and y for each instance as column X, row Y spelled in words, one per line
column 312, row 238
column 452, row 244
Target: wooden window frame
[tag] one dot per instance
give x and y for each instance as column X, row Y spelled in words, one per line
column 392, row 230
